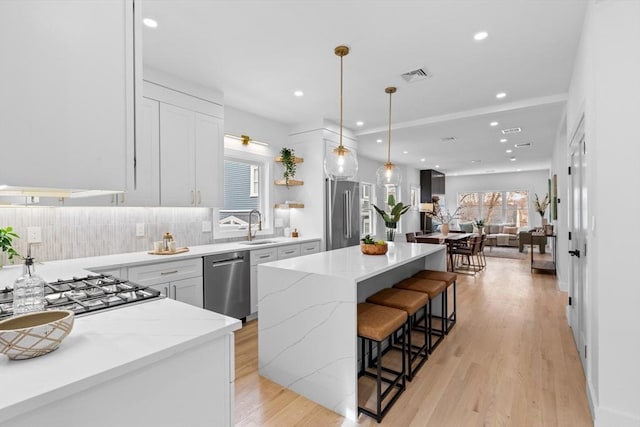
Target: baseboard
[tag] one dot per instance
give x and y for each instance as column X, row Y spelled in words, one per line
column 591, row 398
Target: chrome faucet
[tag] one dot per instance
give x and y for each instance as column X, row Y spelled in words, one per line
column 252, row 236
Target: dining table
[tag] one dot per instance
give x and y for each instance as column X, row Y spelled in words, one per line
column 450, row 239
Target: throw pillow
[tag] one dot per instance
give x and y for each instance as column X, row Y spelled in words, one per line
column 467, row 227
column 510, row 230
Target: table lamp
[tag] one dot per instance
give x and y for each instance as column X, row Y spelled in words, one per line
column 425, row 207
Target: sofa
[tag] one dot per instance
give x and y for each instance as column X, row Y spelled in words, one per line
column 501, row 235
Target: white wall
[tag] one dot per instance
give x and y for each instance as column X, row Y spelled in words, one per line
column 535, row 182
column 605, row 87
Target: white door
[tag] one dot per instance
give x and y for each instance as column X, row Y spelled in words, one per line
column 209, row 149
column 177, row 156
column 577, row 245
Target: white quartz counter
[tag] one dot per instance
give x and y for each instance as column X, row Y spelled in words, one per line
column 104, row 346
column 65, row 269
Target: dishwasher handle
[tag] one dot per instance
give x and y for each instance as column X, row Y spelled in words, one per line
column 228, row 261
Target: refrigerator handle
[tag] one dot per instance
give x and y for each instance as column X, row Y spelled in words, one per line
column 349, row 214
column 345, row 215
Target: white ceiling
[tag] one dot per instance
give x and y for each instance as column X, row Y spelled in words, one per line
column 259, row 52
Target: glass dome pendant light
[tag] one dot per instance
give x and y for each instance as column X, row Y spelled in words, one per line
column 387, row 174
column 340, row 163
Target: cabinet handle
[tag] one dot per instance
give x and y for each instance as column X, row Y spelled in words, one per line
column 193, row 197
column 199, row 197
column 113, row 199
column 264, row 256
column 163, row 273
column 166, row 292
column 122, row 198
column 289, row 252
column 175, row 292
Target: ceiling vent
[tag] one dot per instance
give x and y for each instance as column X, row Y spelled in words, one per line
column 523, row 145
column 475, row 161
column 416, row 75
column 512, row 130
column 448, row 139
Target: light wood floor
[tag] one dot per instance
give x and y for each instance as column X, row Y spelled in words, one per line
column 510, row 361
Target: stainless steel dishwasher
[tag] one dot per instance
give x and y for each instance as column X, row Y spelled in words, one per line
column 227, row 284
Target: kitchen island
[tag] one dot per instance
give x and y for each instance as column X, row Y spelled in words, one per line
column 307, row 332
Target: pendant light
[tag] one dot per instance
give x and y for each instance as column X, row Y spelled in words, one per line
column 340, row 163
column 387, row 174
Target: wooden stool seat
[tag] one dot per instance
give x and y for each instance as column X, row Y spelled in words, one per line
column 411, row 302
column 449, row 278
column 428, row 286
column 445, row 276
column 376, row 322
column 406, row 300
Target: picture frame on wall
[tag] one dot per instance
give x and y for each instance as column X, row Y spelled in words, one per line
column 414, row 197
column 554, row 197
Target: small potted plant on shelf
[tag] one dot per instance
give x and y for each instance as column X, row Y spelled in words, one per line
column 392, row 218
column 479, row 223
column 6, row 243
column 444, row 216
column 371, row 247
column 288, row 158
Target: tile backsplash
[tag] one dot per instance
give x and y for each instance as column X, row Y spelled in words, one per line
column 71, row 232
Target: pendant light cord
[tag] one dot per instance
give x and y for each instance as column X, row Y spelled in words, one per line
column 341, row 60
column 389, row 140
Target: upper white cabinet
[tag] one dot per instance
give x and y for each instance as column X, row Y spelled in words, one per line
column 191, row 150
column 67, row 85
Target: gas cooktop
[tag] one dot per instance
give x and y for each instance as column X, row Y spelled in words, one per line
column 86, row 295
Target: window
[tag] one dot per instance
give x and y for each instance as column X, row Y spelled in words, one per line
column 243, row 191
column 495, row 207
column 367, row 218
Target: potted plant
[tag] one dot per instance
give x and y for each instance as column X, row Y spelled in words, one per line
column 444, row 216
column 288, row 158
column 6, row 243
column 391, row 218
column 540, row 207
column 371, row 247
column 479, row 223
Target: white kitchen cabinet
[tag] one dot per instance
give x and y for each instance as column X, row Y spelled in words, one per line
column 179, row 280
column 307, row 248
column 190, row 158
column 288, row 251
column 67, row 90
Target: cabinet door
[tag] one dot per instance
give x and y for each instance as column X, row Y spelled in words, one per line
column 209, row 149
column 288, row 251
column 309, row 247
column 67, row 92
column 163, row 288
column 143, row 178
column 254, row 289
column 177, row 156
column 189, row 291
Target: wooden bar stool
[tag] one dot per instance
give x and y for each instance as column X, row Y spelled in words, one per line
column 376, row 323
column 433, row 288
column 450, row 279
column 411, row 302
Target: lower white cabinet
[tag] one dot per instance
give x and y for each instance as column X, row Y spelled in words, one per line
column 179, row 280
column 260, row 256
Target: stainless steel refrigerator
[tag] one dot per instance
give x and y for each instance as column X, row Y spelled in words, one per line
column 343, row 214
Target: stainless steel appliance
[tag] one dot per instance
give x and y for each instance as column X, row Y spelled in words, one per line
column 84, row 295
column 227, row 284
column 343, row 214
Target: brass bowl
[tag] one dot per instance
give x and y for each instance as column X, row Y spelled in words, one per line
column 34, row 334
column 373, row 248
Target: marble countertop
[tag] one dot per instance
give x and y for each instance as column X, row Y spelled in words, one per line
column 105, row 345
column 66, row 269
column 351, row 263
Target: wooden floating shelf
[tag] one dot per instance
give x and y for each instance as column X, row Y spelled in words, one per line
column 296, row 160
column 291, row 182
column 289, row 205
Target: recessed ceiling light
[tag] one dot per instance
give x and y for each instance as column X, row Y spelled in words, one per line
column 494, row 124
column 437, row 166
column 298, row 93
column 509, row 151
column 501, row 95
column 359, row 123
column 423, row 159
column 405, row 152
column 513, row 159
column 475, row 161
column 379, row 141
column 518, row 170
column 503, row 140
column 151, row 23
column 480, row 36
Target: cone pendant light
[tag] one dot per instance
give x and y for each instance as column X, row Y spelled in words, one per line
column 340, row 163
column 387, row 174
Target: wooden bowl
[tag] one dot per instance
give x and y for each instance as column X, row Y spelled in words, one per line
column 34, row 334
column 373, row 249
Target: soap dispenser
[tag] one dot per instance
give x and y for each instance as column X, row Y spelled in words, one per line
column 28, row 289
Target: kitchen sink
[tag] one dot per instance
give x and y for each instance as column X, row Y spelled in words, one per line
column 257, row 242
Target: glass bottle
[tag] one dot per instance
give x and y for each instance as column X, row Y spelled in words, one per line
column 28, row 290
